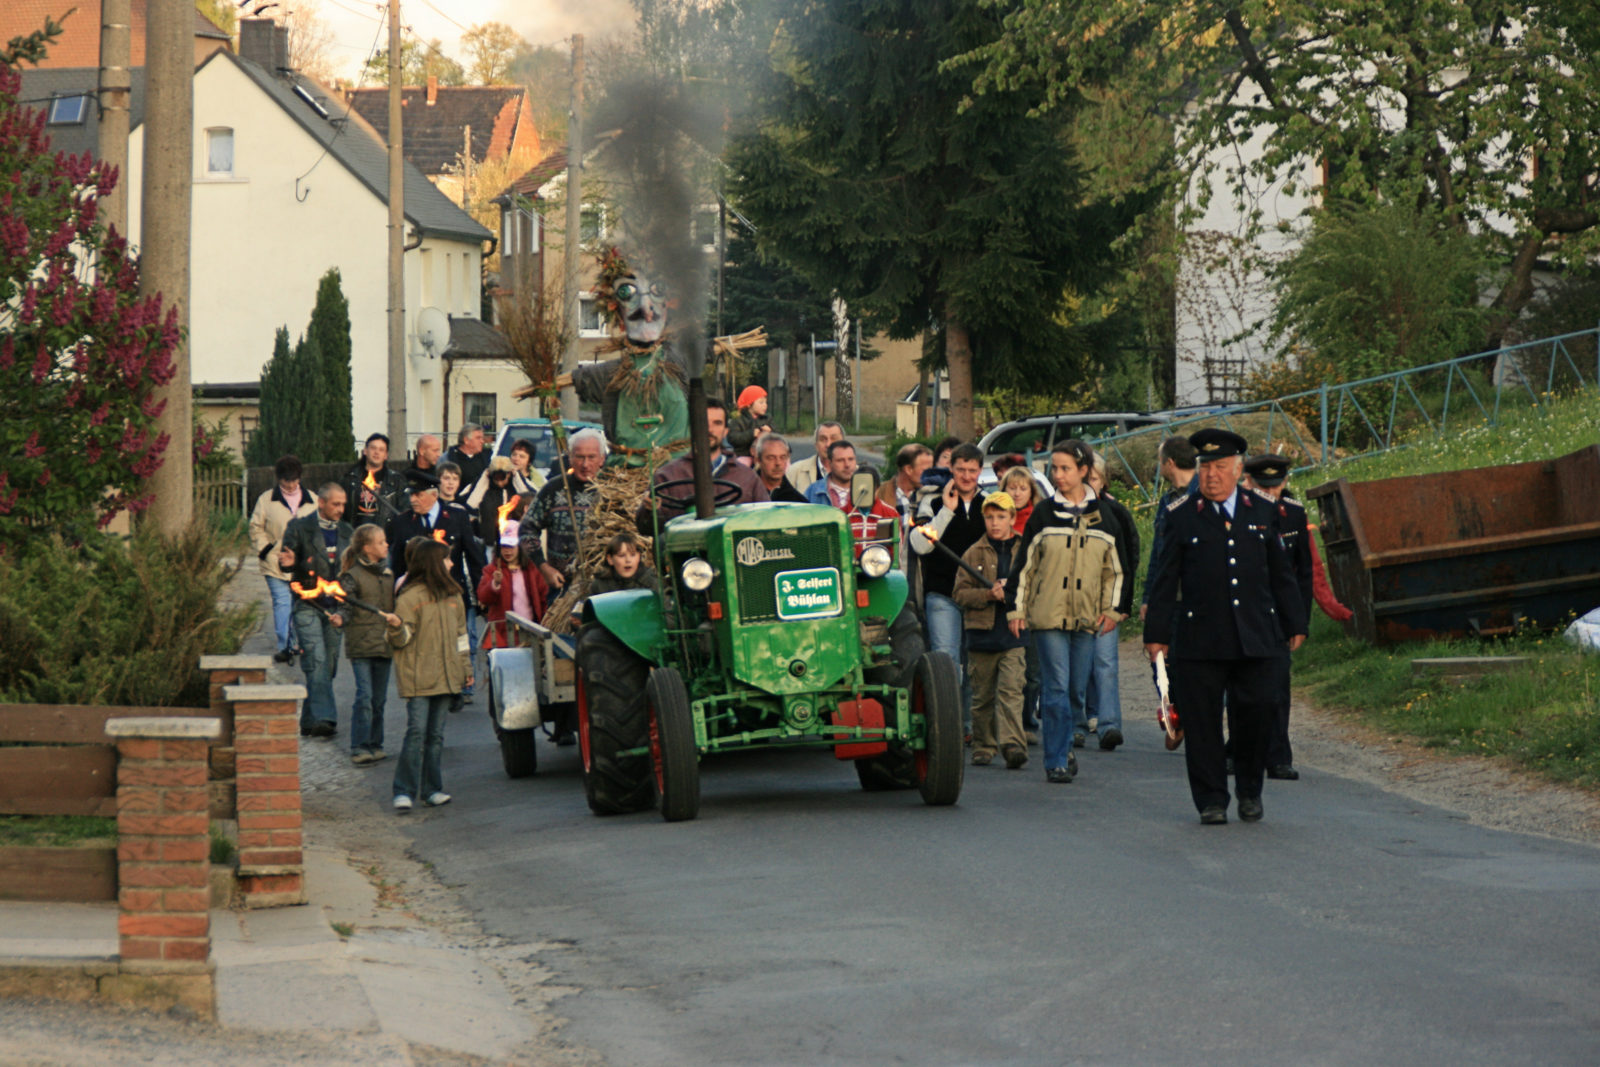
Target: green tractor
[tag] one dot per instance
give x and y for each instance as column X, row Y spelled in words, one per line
column 775, row 628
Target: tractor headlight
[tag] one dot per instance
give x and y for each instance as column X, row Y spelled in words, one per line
column 875, row 561
column 697, row 575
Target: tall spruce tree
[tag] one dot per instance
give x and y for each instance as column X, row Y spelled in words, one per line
column 330, row 328
column 278, row 432
column 870, row 169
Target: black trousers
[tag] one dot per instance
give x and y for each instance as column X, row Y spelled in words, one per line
column 1249, row 689
column 1279, row 752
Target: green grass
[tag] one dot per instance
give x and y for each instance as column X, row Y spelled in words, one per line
column 39, row 831
column 1546, row 716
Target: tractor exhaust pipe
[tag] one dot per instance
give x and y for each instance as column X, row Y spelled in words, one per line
column 700, row 449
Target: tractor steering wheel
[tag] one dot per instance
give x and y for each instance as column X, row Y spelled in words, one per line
column 724, row 493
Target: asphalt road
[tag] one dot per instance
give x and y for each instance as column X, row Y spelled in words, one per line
column 802, row 921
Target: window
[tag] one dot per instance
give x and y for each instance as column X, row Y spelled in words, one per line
column 519, row 232
column 480, row 408
column 219, row 151
column 591, row 224
column 589, row 321
column 705, row 227
column 69, row 110
column 508, row 232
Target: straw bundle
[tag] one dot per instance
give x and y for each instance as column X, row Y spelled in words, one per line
column 619, row 494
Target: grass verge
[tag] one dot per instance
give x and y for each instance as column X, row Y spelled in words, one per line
column 41, row 831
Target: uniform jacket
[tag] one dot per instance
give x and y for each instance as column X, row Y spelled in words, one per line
column 1069, row 571
column 1223, row 589
column 1296, row 541
column 303, row 537
column 495, row 603
column 390, row 496
column 1127, row 535
column 372, row 583
column 1158, row 528
column 267, row 523
column 431, row 651
column 451, row 527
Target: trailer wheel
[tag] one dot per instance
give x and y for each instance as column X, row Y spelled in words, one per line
column 518, row 752
column 895, row 769
column 936, row 697
column 672, row 747
column 612, row 718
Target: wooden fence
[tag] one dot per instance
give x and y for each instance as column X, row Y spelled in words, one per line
column 57, row 760
column 220, row 491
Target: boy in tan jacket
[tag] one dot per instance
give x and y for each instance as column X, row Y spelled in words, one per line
column 996, row 657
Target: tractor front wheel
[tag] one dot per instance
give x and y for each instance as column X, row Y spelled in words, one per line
column 672, row 747
column 936, row 698
column 895, row 768
column 612, row 718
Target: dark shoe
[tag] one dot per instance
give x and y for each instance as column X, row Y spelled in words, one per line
column 305, row 731
column 1079, row 740
column 566, row 738
column 283, row 656
column 456, row 703
column 1284, row 772
column 1032, row 736
column 1213, row 816
column 1250, row 809
column 324, row 728
column 1015, row 756
column 1058, row 775
column 982, row 758
column 1110, row 739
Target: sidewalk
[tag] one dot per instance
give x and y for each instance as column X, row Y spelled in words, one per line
column 380, row 954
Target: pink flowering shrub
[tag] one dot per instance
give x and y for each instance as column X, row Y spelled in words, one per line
column 81, row 353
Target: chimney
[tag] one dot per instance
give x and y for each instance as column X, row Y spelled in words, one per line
column 281, row 47
column 258, row 43
column 433, row 89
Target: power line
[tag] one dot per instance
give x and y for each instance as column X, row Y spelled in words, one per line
column 447, row 18
column 364, row 14
column 344, row 123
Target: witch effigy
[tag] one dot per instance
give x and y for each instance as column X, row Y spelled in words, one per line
column 644, row 404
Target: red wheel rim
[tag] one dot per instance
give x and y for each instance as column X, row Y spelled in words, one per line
column 655, row 745
column 583, row 723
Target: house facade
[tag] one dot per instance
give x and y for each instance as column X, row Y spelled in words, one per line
column 287, row 186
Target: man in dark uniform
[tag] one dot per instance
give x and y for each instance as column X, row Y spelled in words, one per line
column 1224, row 594
column 1266, row 474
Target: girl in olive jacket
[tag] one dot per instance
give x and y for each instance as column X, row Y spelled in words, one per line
column 366, row 576
column 432, row 665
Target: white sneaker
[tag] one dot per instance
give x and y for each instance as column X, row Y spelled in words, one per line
column 437, row 799
column 402, row 804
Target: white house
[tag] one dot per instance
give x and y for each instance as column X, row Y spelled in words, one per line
column 288, row 183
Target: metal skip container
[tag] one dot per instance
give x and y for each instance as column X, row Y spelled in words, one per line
column 1474, row 552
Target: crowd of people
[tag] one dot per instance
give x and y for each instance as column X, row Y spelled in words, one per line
column 459, row 540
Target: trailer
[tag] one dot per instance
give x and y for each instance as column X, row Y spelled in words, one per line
column 531, row 684
column 1480, row 552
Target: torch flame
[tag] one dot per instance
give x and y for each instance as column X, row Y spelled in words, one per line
column 322, row 588
column 502, row 511
column 929, row 532
column 438, row 535
column 370, row 482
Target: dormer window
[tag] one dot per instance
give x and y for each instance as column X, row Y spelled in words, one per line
column 219, row 152
column 69, row 110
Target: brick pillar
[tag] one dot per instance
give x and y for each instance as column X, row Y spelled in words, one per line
column 266, row 724
column 225, row 671
column 164, row 856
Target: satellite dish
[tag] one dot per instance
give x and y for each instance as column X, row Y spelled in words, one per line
column 433, row 330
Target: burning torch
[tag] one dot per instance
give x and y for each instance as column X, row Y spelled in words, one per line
column 933, row 536
column 1166, row 714
column 334, row 591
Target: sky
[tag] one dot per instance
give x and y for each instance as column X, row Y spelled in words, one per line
column 354, row 23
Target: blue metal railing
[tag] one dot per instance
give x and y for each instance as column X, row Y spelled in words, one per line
column 1344, row 415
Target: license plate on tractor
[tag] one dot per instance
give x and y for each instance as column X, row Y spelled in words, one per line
column 816, row 593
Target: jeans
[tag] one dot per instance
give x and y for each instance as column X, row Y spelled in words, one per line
column 946, row 633
column 372, row 691
column 1066, row 659
column 1103, row 700
column 417, row 773
column 282, row 611
column 321, row 641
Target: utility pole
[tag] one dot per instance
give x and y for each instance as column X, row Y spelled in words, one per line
column 572, row 245
column 397, row 234
column 466, row 168
column 164, row 239
column 115, row 90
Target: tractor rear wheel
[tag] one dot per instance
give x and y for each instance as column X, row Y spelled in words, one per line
column 894, row 769
column 612, row 718
column 672, row 747
column 936, row 697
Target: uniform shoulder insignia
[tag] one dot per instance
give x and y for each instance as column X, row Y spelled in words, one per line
column 1178, row 503
column 1290, row 502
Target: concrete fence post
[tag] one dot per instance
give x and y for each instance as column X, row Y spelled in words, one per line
column 163, row 860
column 266, row 724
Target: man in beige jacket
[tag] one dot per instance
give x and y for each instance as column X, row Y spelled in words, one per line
column 284, row 501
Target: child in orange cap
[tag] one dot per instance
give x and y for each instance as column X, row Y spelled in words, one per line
column 750, row 423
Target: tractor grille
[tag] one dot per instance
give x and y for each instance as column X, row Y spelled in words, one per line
column 813, row 546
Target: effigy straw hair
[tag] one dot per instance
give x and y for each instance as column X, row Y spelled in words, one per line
column 620, row 492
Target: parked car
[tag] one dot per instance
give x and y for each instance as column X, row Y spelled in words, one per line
column 1034, row 436
column 538, row 432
